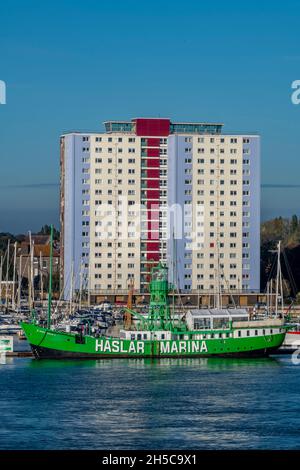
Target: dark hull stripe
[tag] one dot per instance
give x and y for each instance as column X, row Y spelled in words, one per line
column 283, row 350
column 47, row 353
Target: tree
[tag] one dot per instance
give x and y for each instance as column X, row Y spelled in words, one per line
column 4, row 237
column 294, row 224
column 55, row 282
column 46, row 230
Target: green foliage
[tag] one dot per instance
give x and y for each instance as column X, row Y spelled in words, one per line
column 4, row 237
column 286, row 230
column 46, row 230
column 55, row 282
column 294, row 224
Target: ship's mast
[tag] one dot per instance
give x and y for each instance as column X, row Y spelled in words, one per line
column 29, row 274
column 279, row 286
column 41, row 278
column 50, row 279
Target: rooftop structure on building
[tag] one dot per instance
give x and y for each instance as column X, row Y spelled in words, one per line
column 161, row 127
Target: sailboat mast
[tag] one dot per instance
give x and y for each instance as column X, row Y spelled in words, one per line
column 7, row 269
column 29, row 268
column 19, row 283
column 272, row 296
column 281, row 290
column 32, row 272
column 277, row 279
column 281, row 286
column 50, row 279
column 71, row 289
column 89, row 285
column 80, row 285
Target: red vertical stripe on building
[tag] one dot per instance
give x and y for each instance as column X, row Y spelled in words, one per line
column 153, row 174
column 152, row 127
column 153, row 142
column 153, row 152
column 153, row 195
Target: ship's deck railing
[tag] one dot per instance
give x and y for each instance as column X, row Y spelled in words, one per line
column 181, row 292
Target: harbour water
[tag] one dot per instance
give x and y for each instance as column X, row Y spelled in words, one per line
column 146, row 404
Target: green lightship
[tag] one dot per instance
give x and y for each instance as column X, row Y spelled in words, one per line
column 199, row 333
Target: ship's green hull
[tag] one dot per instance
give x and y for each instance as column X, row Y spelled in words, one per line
column 47, row 344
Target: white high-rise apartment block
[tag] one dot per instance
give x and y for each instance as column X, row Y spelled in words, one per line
column 148, row 190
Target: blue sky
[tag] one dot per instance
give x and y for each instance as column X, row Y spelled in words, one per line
column 70, row 65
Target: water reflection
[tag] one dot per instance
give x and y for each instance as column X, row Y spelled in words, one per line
column 200, row 403
column 146, row 363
